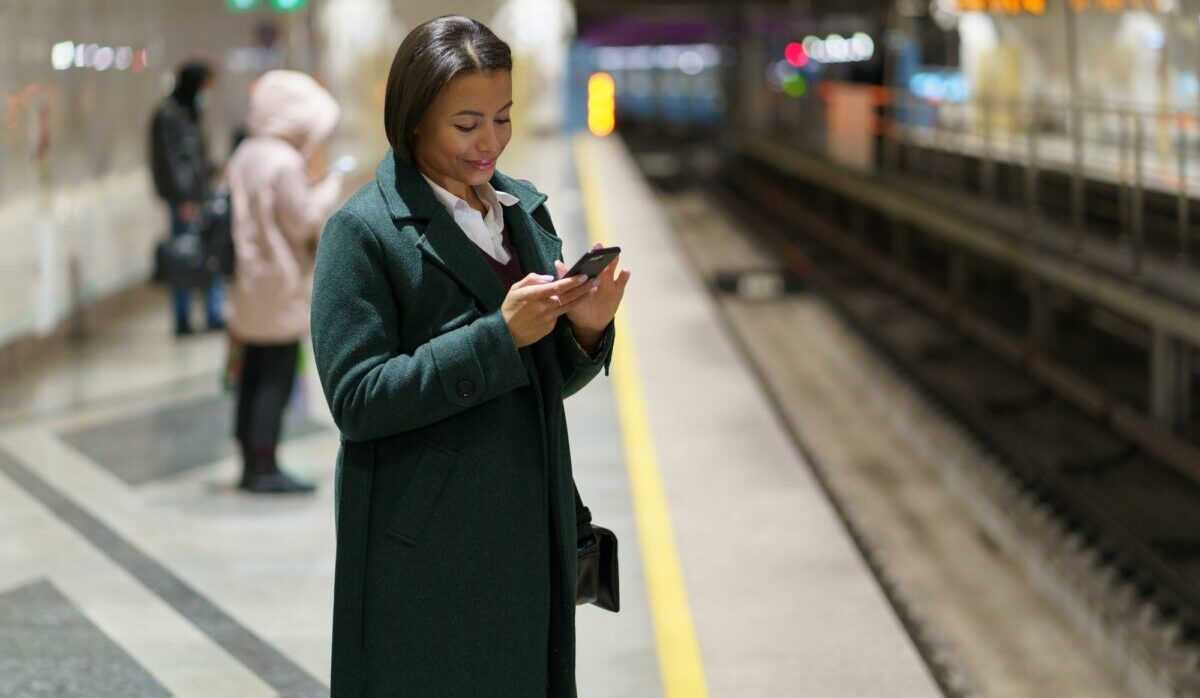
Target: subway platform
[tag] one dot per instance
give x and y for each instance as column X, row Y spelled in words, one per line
column 131, row 566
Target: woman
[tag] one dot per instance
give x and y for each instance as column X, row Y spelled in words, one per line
column 278, row 212
column 446, row 344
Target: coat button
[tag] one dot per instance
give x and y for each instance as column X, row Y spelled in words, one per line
column 465, row 389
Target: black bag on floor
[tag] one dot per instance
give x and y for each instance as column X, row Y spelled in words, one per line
column 201, row 253
column 597, row 581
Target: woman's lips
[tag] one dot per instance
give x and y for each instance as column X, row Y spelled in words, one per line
column 481, row 164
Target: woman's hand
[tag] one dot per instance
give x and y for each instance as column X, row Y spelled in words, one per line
column 591, row 315
column 535, row 303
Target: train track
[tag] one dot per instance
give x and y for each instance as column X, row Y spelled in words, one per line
column 1139, row 517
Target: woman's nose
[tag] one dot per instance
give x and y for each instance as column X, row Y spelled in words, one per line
column 489, row 143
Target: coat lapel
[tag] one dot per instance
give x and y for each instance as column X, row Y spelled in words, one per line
column 536, row 246
column 444, row 243
column 410, row 200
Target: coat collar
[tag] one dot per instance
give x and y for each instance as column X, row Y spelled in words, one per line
column 410, row 199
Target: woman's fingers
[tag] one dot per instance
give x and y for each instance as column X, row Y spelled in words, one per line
column 573, row 296
column 532, row 279
column 557, row 288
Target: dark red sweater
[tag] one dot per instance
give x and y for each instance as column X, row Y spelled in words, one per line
column 509, row 273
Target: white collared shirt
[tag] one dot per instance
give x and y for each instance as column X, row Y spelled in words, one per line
column 486, row 231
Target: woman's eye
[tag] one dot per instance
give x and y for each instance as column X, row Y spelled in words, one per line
column 465, row 129
column 503, row 121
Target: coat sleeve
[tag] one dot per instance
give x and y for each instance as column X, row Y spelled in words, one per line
column 372, row 389
column 578, row 368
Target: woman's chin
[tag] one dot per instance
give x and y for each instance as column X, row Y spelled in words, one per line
column 477, row 178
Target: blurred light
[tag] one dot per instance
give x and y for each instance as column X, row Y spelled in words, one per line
column 862, row 46
column 778, row 74
column 602, row 104
column 66, row 55
column 608, row 58
column 691, row 59
column 795, row 54
column 946, row 12
column 837, row 49
column 795, row 86
column 104, row 58
column 940, row 86
column 62, row 56
column 241, row 5
column 668, row 57
column 691, row 62
column 124, row 58
column 1154, row 39
column 288, row 5
column 640, row 58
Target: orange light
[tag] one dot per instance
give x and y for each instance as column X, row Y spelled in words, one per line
column 602, row 104
column 1035, row 7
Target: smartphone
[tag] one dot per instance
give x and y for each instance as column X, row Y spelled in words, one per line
column 593, row 262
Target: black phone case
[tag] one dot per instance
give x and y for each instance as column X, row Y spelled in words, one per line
column 593, row 262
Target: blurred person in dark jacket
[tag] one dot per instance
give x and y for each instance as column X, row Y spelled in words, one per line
column 182, row 175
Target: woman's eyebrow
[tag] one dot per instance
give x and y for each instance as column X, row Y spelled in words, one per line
column 467, row 112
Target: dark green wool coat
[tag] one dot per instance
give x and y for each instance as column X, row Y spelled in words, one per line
column 456, row 517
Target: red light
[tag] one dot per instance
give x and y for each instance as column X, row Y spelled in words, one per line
column 795, row 54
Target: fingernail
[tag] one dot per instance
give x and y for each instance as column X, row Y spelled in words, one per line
column 593, row 290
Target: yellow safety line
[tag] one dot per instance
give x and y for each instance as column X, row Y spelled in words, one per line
column 678, row 651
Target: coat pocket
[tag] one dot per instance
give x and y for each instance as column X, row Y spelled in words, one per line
column 432, row 471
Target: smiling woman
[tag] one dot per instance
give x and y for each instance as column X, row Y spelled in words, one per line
column 457, row 148
column 446, row 342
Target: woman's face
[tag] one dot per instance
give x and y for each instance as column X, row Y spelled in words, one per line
column 464, row 131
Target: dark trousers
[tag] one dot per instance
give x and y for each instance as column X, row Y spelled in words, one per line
column 268, row 373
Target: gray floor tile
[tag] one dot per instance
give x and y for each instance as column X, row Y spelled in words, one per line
column 145, row 447
column 49, row 648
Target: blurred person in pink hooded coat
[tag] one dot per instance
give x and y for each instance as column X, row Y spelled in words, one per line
column 279, row 210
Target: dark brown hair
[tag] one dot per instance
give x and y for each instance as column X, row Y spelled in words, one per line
column 430, row 57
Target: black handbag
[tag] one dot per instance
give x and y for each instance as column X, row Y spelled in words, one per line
column 596, row 548
column 202, row 252
column 181, row 260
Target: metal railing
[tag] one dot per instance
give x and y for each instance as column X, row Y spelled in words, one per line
column 1147, row 157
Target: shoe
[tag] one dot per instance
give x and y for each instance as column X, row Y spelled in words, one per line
column 184, row 331
column 277, row 482
column 261, row 473
column 217, row 326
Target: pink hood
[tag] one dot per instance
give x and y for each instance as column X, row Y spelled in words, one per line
column 291, row 106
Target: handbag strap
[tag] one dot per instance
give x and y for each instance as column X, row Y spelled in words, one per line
column 583, row 519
